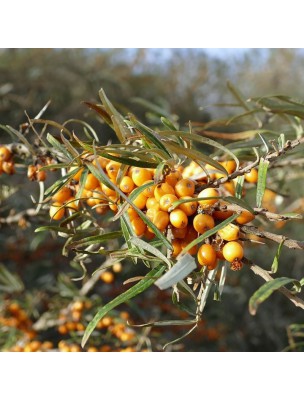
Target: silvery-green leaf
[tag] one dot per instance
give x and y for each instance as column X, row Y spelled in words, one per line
column 178, row 272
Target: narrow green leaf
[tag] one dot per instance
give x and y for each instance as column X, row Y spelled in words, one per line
column 201, row 139
column 141, row 286
column 54, row 228
column 96, row 239
column 261, row 185
column 151, row 249
column 222, row 279
column 239, row 186
column 196, row 156
column 101, row 111
column 58, row 146
column 265, row 291
column 209, row 284
column 275, row 263
column 208, row 233
column 119, row 125
column 168, row 124
column 14, row 133
column 184, row 266
column 152, row 136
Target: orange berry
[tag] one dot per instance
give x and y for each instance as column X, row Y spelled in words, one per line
column 229, row 165
column 161, row 220
column 103, row 162
column 233, row 250
column 47, row 345
column 138, row 226
column 149, row 235
column 41, row 175
column 177, row 247
column 173, row 178
column 165, row 202
column 5, row 154
column 92, row 349
column 252, row 176
column 190, row 207
column 230, row 187
column 203, row 222
column 78, row 306
column 149, row 191
column 112, row 169
column 152, row 203
column 179, row 233
column 132, row 213
column 151, row 212
column 140, row 201
column 184, row 187
column 209, row 192
column 8, row 167
column 117, row 267
column 62, row 195
column 91, row 182
column 56, row 212
column 107, row 191
column 141, row 176
column 162, row 189
column 212, row 266
column 245, row 217
column 107, row 276
column 78, row 174
column 178, row 218
column 222, row 215
column 62, row 329
column 75, row 348
column 206, row 255
column 112, row 203
column 230, row 232
column 126, row 184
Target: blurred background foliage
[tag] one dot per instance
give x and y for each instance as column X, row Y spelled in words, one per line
column 185, row 82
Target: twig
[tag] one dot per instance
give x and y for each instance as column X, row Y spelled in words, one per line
column 290, row 243
column 258, row 211
column 10, row 219
column 265, row 275
column 271, row 157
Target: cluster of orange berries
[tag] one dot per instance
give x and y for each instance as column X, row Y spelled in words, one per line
column 33, row 346
column 16, row 317
column 72, row 320
column 186, row 221
column 35, row 173
column 7, row 164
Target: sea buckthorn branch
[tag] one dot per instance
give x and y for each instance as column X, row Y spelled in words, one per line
column 271, row 157
column 290, row 243
column 257, row 211
column 13, row 218
column 23, row 152
column 287, row 293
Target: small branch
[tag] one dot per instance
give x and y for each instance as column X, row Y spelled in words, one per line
column 271, row 157
column 290, row 243
column 22, row 151
column 265, row 275
column 258, row 211
column 11, row 219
